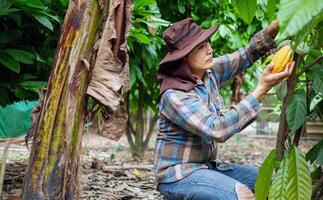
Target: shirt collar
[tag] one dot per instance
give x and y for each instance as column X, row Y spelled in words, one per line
column 206, row 75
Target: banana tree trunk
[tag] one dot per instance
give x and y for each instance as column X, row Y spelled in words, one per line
column 54, row 161
column 93, row 42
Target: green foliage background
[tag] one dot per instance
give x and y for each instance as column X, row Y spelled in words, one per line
column 29, row 33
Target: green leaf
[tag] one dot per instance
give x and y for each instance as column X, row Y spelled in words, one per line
column 10, row 63
column 44, row 21
column 140, row 76
column 308, row 28
column 246, row 9
column 271, row 9
column 64, row 2
column 21, row 55
column 143, row 3
column 316, row 75
column 224, row 31
column 320, row 32
column 314, row 53
column 293, row 15
column 296, row 110
column 155, row 21
column 33, row 85
column 181, row 6
column 279, row 185
column 32, row 3
column 264, row 176
column 22, row 93
column 17, row 18
column 9, row 36
column 299, row 181
column 27, row 77
column 316, row 100
column 7, row 11
column 133, row 76
column 39, row 58
column 142, row 38
column 316, row 153
column 5, row 4
column 45, row 13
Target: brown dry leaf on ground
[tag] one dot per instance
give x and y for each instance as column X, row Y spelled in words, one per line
column 110, row 173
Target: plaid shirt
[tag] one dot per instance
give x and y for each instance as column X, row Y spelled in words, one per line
column 190, row 123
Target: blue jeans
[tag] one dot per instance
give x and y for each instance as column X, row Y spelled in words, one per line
column 210, row 184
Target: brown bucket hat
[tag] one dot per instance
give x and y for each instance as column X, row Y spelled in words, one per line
column 182, row 37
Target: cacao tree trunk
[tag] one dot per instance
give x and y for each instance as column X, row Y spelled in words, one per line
column 235, row 88
column 283, row 127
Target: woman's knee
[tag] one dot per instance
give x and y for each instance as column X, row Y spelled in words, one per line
column 245, row 174
column 206, row 192
column 205, row 184
column 199, row 191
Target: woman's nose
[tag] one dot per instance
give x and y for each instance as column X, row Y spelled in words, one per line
column 209, row 48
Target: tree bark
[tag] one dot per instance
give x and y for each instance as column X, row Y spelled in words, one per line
column 317, row 187
column 54, row 161
column 140, row 118
column 235, row 88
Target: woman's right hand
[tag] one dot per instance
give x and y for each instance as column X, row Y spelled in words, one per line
column 268, row 79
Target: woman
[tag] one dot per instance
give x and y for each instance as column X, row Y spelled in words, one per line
column 190, row 122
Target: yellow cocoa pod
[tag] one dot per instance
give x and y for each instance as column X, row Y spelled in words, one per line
column 281, row 58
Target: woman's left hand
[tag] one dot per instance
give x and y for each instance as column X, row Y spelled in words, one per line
column 268, row 79
column 273, row 28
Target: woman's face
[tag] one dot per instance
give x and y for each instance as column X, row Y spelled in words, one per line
column 200, row 59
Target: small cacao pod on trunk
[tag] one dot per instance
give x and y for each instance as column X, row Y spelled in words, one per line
column 281, row 58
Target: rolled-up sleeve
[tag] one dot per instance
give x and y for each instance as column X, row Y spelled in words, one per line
column 227, row 66
column 190, row 113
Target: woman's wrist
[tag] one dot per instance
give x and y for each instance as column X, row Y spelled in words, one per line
column 259, row 93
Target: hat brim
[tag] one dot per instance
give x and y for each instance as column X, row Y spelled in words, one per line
column 178, row 54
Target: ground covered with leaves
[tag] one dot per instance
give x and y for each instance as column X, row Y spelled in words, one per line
column 110, row 172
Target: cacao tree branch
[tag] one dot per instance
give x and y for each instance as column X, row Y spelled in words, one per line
column 235, row 88
column 130, row 126
column 304, row 69
column 129, row 138
column 129, row 130
column 283, row 128
column 139, row 129
column 129, row 133
column 317, row 187
column 150, row 131
column 141, row 106
column 298, row 134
